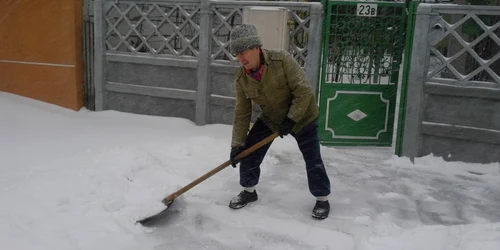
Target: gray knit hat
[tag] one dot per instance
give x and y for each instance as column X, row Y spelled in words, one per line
column 244, row 37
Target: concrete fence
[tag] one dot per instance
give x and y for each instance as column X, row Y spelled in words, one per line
column 171, row 58
column 453, row 104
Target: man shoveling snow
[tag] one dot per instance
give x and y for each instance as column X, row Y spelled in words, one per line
column 276, row 82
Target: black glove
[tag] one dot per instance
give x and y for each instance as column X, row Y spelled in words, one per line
column 234, row 152
column 286, row 127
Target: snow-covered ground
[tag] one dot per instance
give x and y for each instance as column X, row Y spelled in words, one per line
column 79, row 180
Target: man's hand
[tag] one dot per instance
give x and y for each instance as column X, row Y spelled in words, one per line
column 234, row 152
column 286, row 127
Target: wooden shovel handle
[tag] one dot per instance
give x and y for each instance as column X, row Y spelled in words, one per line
column 243, row 154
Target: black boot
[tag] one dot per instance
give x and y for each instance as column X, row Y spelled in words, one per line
column 243, row 199
column 321, row 210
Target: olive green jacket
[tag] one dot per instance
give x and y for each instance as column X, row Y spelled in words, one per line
column 283, row 91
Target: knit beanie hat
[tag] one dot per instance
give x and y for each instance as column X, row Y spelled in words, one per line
column 244, row 37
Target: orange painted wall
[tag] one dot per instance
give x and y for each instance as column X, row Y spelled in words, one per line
column 41, row 51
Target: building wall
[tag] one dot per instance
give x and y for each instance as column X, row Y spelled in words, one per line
column 40, row 55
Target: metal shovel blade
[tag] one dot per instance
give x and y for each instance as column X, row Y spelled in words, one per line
column 156, row 217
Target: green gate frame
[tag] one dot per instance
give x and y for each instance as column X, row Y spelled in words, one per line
column 358, row 108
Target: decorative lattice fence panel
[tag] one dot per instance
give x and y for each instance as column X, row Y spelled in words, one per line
column 168, row 28
column 465, row 47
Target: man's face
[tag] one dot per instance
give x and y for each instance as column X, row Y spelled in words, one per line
column 250, row 58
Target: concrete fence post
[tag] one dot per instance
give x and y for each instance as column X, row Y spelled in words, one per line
column 203, row 90
column 416, row 79
column 313, row 63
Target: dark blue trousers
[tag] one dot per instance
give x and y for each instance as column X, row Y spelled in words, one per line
column 308, row 142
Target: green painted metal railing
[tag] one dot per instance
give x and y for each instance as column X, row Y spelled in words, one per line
column 362, row 66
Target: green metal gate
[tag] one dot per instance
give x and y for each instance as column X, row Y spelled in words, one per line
column 361, row 62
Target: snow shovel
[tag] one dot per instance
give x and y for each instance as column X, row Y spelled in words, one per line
column 170, row 198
